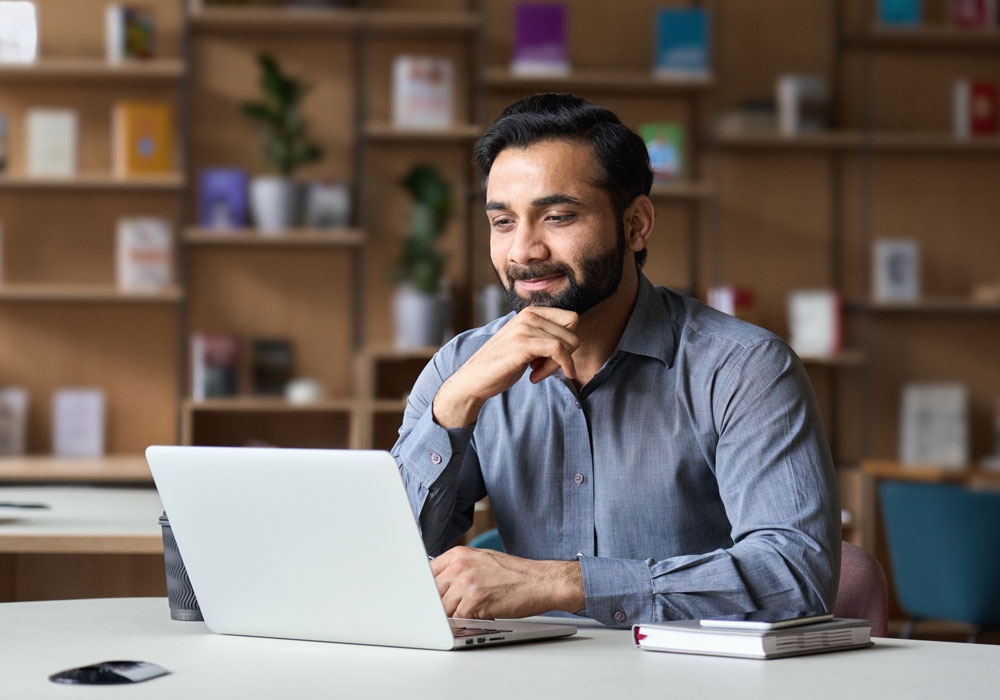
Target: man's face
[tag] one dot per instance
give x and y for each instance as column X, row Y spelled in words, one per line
column 554, row 237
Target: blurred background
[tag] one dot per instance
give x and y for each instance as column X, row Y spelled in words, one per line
column 251, row 223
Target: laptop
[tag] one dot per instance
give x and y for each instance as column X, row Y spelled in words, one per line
column 311, row 544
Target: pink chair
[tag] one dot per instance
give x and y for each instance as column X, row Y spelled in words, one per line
column 863, row 592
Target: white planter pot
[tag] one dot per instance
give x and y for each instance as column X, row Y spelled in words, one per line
column 421, row 318
column 272, row 200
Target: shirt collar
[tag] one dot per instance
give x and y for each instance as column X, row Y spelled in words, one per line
column 649, row 330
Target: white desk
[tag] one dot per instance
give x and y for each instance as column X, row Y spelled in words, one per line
column 39, row 639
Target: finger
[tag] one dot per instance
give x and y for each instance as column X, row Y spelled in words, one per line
column 547, row 367
column 552, row 349
column 441, row 562
column 566, row 335
column 562, row 317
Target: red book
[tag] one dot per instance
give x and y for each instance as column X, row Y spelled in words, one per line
column 983, row 109
column 972, row 14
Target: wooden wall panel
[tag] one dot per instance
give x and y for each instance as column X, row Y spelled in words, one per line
column 67, row 576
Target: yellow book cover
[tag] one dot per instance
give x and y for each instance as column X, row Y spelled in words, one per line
column 143, row 139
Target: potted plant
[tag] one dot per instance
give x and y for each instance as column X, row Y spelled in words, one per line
column 422, row 304
column 285, row 145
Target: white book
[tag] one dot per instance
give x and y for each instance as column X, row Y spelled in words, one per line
column 422, row 92
column 51, row 142
column 934, row 425
column 18, row 32
column 13, row 421
column 78, row 421
column 814, row 318
column 896, row 270
column 144, row 254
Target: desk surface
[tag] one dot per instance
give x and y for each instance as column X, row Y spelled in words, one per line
column 42, row 638
column 81, row 520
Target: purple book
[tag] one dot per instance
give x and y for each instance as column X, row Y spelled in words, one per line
column 540, row 44
column 222, row 198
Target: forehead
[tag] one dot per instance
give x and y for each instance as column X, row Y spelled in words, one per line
column 544, row 167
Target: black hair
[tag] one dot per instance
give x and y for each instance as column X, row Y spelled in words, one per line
column 620, row 153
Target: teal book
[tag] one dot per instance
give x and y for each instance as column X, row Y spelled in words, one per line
column 681, row 47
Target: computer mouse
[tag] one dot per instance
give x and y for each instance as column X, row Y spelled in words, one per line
column 109, row 673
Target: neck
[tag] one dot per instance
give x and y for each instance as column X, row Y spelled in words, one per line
column 601, row 327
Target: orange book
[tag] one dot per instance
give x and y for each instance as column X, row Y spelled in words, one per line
column 143, row 138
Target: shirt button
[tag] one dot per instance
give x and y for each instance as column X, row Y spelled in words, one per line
column 579, row 554
column 435, row 458
column 620, row 615
column 578, row 404
column 578, row 478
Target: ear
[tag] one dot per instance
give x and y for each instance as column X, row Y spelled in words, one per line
column 639, row 219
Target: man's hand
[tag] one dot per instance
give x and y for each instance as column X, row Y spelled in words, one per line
column 483, row 583
column 543, row 338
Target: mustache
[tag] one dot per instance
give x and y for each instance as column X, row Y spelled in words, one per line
column 530, row 272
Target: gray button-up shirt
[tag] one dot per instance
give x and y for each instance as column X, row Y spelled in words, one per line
column 691, row 476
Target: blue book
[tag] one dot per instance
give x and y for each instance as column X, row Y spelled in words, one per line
column 681, row 41
column 900, row 13
column 222, row 198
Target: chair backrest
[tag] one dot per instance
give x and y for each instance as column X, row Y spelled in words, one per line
column 863, row 592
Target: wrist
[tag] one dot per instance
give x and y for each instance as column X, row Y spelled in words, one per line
column 567, row 586
column 454, row 408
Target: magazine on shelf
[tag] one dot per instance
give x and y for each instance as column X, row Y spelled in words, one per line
column 972, row 14
column 682, row 48
column 78, row 422
column 974, row 108
column 18, row 32
column 934, row 425
column 129, row 32
column 540, row 44
column 271, row 365
column 222, row 199
column 896, row 270
column 52, row 142
column 900, row 13
column 214, row 365
column 814, row 322
column 144, row 254
column 665, row 143
column 423, row 92
column 13, row 421
column 142, row 138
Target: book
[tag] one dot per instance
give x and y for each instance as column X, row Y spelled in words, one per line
column 972, row 14
column 900, row 13
column 222, row 198
column 13, row 421
column 540, row 44
column 3, row 143
column 18, row 32
column 814, row 322
column 214, row 365
column 422, row 92
column 271, row 365
column 738, row 302
column 896, row 270
column 144, row 254
column 682, row 45
column 802, row 103
column 142, row 138
column 78, row 422
column 934, row 425
column 129, row 32
column 52, row 137
column 690, row 637
column 974, row 109
column 665, row 143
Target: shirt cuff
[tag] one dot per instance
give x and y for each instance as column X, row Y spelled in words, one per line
column 429, row 448
column 619, row 592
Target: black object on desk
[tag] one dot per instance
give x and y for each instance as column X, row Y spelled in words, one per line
column 110, row 673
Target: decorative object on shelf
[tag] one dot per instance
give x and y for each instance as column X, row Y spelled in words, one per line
column 129, row 33
column 900, row 13
column 142, row 138
column 423, row 92
column 540, row 45
column 896, row 270
column 934, row 425
column 271, row 365
column 3, row 143
column 972, row 14
column 78, row 422
column 52, row 141
column 974, row 109
column 214, row 365
column 814, row 322
column 13, row 420
column 665, row 143
column 738, row 302
column 285, row 142
column 222, row 199
column 992, row 462
column 422, row 304
column 145, row 254
column 682, row 44
column 18, row 31
column 802, row 103
column 304, row 390
column 328, row 204
column 754, row 115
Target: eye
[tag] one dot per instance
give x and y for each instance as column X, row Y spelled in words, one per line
column 560, row 218
column 501, row 222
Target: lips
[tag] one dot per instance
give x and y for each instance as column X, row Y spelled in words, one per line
column 539, row 283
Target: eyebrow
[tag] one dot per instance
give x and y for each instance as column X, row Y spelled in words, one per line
column 546, row 201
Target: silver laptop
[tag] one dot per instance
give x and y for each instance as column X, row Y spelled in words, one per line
column 311, row 544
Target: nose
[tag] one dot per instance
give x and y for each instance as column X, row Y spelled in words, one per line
column 528, row 244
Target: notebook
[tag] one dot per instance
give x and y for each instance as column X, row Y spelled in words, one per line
column 311, row 544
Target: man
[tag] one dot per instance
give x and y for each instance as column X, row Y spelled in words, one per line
column 646, row 457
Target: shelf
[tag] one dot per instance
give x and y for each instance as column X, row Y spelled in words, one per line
column 682, row 190
column 252, row 404
column 92, row 70
column 94, row 181
column 383, row 22
column 388, row 352
column 47, row 468
column 890, row 469
column 603, row 81
column 930, row 305
column 845, row 358
column 292, row 238
column 383, row 131
column 276, row 20
column 887, row 141
column 85, row 294
column 929, row 37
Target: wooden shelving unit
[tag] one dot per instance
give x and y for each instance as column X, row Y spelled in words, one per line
column 319, row 238
column 85, row 294
column 276, row 20
column 94, row 182
column 383, row 131
column 44, row 468
column 607, row 81
column 926, row 38
column 91, row 70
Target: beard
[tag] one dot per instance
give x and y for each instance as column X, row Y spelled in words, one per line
column 600, row 277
